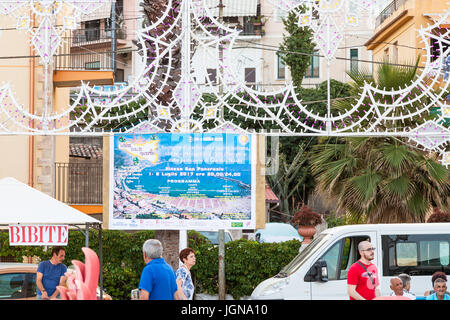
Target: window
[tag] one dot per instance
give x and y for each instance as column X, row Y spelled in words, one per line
column 341, row 256
column 250, row 75
column 119, row 75
column 92, row 30
column 280, row 14
column 95, row 65
column 353, row 60
column 386, row 54
column 305, row 254
column 395, row 52
column 211, row 76
column 436, row 49
column 17, row 285
column 281, row 68
column 313, row 70
column 415, row 254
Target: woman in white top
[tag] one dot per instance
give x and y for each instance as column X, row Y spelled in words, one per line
column 184, row 280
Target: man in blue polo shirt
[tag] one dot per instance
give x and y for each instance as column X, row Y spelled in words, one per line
column 158, row 280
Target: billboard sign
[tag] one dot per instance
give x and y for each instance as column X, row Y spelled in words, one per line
column 182, row 181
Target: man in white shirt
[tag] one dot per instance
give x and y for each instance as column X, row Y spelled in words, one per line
column 398, row 290
column 406, row 279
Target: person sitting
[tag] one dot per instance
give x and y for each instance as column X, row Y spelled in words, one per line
column 440, row 288
column 436, row 275
column 406, row 280
column 397, row 288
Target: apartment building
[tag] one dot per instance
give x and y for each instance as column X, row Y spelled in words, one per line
column 243, row 60
column 98, row 51
column 396, row 35
column 350, row 53
column 103, row 42
column 397, row 38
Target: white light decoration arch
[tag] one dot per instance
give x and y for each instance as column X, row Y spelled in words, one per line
column 376, row 112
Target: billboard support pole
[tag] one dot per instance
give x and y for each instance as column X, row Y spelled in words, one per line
column 221, row 264
column 183, row 241
column 221, row 231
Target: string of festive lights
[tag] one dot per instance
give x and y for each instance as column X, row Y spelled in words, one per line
column 401, row 112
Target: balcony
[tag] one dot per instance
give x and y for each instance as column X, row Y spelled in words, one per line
column 79, row 183
column 72, row 65
column 389, row 11
column 248, row 25
column 95, row 36
column 84, row 61
column 253, row 27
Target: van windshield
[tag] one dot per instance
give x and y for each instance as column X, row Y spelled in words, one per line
column 303, row 256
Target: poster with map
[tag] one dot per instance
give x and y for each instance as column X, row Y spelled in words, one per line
column 176, row 181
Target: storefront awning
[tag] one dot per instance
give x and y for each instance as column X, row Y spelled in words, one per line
column 232, row 8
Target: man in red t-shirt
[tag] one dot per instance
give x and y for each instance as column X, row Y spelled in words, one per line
column 362, row 277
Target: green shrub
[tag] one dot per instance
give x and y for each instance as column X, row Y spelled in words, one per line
column 247, row 263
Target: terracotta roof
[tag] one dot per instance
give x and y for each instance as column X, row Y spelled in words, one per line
column 85, row 151
column 270, row 196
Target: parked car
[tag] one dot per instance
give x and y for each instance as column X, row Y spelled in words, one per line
column 319, row 272
column 277, row 232
column 18, row 281
column 213, row 236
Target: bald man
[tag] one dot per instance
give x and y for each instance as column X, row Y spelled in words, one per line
column 397, row 288
column 363, row 282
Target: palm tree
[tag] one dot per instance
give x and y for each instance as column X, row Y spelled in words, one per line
column 168, row 73
column 153, row 10
column 389, row 77
column 382, row 179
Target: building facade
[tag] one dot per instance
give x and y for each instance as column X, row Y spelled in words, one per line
column 396, row 38
column 96, row 51
column 350, row 54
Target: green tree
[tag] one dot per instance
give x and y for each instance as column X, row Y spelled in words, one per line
column 297, row 46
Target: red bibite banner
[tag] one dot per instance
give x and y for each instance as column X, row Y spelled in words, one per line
column 38, row 235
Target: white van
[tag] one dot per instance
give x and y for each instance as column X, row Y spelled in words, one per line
column 319, row 272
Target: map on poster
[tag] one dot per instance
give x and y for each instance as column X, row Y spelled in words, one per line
column 176, row 181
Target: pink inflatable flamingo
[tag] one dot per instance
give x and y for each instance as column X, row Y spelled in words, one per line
column 83, row 284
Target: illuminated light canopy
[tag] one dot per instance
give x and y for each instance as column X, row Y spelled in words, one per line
column 377, row 112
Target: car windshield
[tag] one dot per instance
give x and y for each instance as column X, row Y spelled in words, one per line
column 213, row 236
column 17, row 285
column 304, row 255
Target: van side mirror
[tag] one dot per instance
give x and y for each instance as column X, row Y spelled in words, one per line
column 318, row 272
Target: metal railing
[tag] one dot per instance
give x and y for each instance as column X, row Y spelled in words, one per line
column 79, row 183
column 75, row 53
column 83, row 59
column 388, row 11
column 90, row 36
